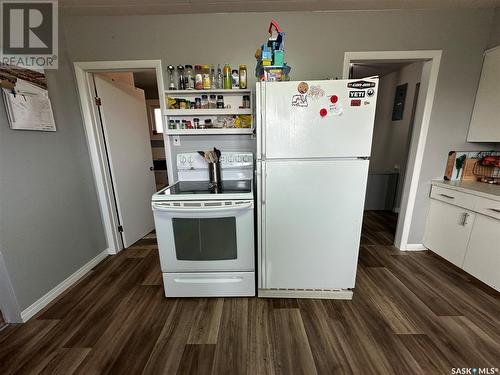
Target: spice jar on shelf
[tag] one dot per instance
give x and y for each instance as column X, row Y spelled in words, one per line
column 196, row 123
column 204, row 101
column 220, row 101
column 206, row 77
column 197, row 103
column 198, row 77
column 212, row 101
column 246, row 101
column 208, row 124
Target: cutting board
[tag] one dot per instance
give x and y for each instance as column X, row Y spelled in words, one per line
column 460, row 165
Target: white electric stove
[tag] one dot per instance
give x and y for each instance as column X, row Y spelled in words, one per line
column 206, row 234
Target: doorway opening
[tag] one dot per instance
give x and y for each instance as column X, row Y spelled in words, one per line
column 404, row 102
column 124, row 125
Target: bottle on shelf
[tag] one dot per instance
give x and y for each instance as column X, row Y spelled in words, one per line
column 220, row 78
column 235, row 79
column 243, row 76
column 206, row 77
column 171, row 77
column 189, row 77
column 227, row 77
column 180, row 73
column 213, row 78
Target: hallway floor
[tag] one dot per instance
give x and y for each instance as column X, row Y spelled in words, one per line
column 412, row 313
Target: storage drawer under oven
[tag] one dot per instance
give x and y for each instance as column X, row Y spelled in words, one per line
column 213, row 284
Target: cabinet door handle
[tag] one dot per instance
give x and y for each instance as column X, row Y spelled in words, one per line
column 495, row 210
column 446, row 196
column 464, row 219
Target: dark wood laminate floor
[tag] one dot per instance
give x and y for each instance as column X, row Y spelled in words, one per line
column 412, row 313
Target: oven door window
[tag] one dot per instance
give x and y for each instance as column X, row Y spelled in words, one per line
column 205, row 239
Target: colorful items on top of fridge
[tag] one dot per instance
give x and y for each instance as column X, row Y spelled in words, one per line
column 206, row 77
column 270, row 56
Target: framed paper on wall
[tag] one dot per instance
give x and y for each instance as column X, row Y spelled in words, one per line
column 26, row 99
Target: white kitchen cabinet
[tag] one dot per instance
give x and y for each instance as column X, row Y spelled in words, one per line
column 463, row 226
column 482, row 259
column 485, row 121
column 448, row 230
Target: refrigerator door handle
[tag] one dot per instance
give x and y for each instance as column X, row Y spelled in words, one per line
column 258, row 117
column 262, row 222
column 263, row 122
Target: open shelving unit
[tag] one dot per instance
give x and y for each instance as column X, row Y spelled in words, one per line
column 232, row 98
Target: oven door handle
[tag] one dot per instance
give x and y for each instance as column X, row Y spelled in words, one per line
column 201, row 210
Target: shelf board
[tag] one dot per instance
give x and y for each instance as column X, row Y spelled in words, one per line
column 222, row 91
column 209, row 131
column 208, row 112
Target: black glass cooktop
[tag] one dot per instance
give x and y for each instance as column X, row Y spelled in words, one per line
column 204, row 187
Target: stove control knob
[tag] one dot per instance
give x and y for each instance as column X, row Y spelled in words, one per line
column 230, row 159
column 182, row 159
column 190, row 160
column 246, row 159
column 239, row 158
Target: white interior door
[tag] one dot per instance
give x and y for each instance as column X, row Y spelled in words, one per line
column 125, row 127
column 312, row 213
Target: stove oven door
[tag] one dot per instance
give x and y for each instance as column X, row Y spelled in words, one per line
column 205, row 236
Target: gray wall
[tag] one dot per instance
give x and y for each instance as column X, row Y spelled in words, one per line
column 315, row 47
column 50, row 224
column 495, row 30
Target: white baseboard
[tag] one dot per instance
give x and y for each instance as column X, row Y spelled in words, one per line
column 60, row 288
column 414, row 247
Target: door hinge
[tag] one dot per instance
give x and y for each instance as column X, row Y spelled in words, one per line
column 98, row 101
column 120, row 229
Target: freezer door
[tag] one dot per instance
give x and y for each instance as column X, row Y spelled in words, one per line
column 318, row 118
column 312, row 213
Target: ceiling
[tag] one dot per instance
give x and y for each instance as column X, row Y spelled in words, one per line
column 127, row 7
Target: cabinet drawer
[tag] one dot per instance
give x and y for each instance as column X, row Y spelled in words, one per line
column 454, row 197
column 488, row 207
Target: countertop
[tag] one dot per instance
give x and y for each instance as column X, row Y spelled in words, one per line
column 480, row 189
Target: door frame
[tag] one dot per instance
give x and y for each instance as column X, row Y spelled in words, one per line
column 428, row 82
column 95, row 141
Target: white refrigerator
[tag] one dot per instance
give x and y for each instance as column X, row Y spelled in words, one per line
column 313, row 147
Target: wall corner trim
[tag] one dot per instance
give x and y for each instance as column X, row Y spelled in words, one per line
column 61, row 287
column 414, row 247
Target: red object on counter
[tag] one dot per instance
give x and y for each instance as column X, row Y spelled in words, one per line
column 355, row 102
column 334, row 99
column 323, row 112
